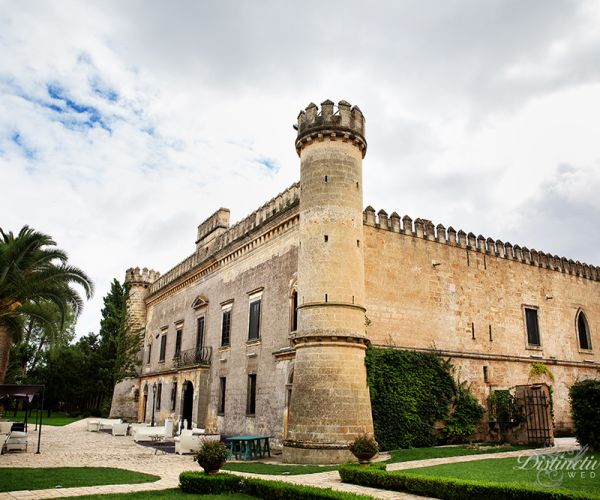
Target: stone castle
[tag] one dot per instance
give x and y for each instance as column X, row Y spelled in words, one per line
column 263, row 329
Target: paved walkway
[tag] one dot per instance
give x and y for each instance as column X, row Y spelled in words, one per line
column 72, row 445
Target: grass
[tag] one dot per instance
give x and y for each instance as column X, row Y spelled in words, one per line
column 410, row 454
column 14, row 479
column 396, row 456
column 276, row 469
column 57, row 418
column 506, row 470
column 165, row 495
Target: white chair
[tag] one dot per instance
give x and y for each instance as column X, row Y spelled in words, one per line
column 93, row 425
column 169, row 428
column 16, row 441
column 120, row 429
column 5, row 427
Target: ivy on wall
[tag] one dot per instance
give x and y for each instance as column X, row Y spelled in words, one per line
column 410, row 391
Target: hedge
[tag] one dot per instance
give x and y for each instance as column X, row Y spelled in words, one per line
column 585, row 406
column 448, row 488
column 201, row 483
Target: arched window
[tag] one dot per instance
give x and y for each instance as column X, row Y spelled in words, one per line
column 583, row 331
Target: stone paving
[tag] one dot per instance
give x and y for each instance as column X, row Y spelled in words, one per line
column 72, row 445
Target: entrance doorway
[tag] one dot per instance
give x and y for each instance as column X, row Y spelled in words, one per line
column 188, row 403
column 144, row 403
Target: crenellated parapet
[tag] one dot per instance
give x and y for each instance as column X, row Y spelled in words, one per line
column 137, row 276
column 342, row 122
column 238, row 232
column 423, row 228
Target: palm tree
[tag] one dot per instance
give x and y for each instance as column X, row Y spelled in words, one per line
column 32, row 271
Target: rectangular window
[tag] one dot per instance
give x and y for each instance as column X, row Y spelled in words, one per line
column 251, row 400
column 222, row 389
column 294, row 311
column 178, row 336
column 158, row 396
column 173, row 396
column 200, row 333
column 149, row 353
column 226, row 327
column 163, row 347
column 533, row 330
column 254, row 328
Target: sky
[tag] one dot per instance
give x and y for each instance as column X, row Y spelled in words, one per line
column 123, row 125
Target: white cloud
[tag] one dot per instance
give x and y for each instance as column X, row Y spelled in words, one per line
column 124, row 124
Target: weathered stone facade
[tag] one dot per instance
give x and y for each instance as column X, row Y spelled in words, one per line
column 327, row 276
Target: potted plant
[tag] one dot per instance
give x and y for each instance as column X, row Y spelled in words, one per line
column 364, row 448
column 212, row 456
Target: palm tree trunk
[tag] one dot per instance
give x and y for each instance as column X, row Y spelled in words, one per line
column 5, row 343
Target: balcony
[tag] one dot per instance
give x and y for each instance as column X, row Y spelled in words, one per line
column 193, row 357
column 185, row 359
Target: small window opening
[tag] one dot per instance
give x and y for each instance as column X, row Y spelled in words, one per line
column 326, row 238
column 325, row 178
column 490, row 330
column 325, row 297
column 473, row 330
column 486, row 376
column 358, row 243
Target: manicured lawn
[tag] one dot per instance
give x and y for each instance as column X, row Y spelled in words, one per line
column 410, row 454
column 275, row 469
column 13, row 479
column 507, row 470
column 57, row 418
column 396, row 456
column 165, row 495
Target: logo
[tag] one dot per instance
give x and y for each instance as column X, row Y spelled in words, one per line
column 552, row 468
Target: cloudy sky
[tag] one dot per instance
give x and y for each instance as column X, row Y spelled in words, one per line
column 124, row 124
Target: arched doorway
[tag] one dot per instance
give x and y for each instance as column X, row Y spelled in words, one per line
column 144, row 402
column 188, row 402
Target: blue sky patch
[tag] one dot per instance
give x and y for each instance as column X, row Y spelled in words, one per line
column 270, row 164
column 18, row 140
column 94, row 116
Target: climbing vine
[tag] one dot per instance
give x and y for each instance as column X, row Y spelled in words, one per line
column 410, row 391
column 539, row 369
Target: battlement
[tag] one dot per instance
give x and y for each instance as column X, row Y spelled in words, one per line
column 239, row 231
column 137, row 276
column 425, row 229
column 212, row 227
column 344, row 122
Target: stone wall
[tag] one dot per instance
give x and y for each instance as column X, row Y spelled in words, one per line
column 466, row 301
column 264, row 261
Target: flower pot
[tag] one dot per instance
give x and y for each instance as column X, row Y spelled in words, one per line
column 364, row 458
column 212, row 467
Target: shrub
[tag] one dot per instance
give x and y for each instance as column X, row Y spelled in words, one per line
column 211, row 455
column 448, row 488
column 464, row 419
column 585, row 407
column 198, row 483
column 364, row 445
column 505, row 410
column 410, row 391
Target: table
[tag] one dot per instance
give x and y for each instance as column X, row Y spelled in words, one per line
column 250, row 446
column 159, row 441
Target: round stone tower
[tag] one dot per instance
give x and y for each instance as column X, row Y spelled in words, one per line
column 329, row 403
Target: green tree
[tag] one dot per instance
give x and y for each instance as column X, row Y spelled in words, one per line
column 38, row 338
column 119, row 344
column 32, row 271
